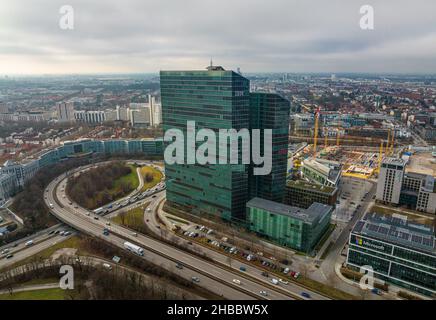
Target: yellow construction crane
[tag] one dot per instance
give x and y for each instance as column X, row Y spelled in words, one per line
column 388, row 142
column 315, row 138
column 325, row 138
column 380, row 156
column 392, row 144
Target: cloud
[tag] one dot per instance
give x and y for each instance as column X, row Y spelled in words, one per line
column 256, row 35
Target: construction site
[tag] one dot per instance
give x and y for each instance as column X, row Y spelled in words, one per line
column 357, row 156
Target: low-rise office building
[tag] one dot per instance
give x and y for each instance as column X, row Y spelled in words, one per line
column 298, row 228
column 14, row 175
column 398, row 248
column 302, row 194
column 320, row 171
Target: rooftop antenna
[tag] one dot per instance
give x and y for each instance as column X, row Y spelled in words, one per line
column 211, row 64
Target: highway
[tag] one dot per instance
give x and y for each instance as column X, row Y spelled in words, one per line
column 42, row 241
column 213, row 277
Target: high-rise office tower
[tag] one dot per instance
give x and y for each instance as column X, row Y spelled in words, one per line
column 270, row 111
column 390, row 180
column 214, row 99
column 65, row 111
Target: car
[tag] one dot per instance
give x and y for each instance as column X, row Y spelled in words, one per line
column 236, row 281
column 134, row 234
column 88, row 214
column 9, row 256
column 190, row 243
column 108, row 223
column 305, row 295
column 286, row 270
column 265, row 274
column 263, row 293
column 4, row 251
column 51, row 232
column 179, row 266
column 195, row 279
column 96, row 218
column 283, row 281
column 67, row 233
column 274, row 281
column 242, row 268
column 153, row 196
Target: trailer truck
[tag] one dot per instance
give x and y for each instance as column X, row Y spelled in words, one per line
column 134, row 248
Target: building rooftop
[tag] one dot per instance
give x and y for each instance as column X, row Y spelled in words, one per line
column 304, row 185
column 330, row 169
column 311, row 215
column 397, row 229
column 394, row 161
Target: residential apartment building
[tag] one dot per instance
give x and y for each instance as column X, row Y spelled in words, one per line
column 65, row 112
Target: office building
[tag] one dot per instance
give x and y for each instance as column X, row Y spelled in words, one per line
column 214, row 99
column 320, row 171
column 414, row 190
column 271, row 111
column 400, row 250
column 65, row 112
column 14, row 175
column 303, row 194
column 298, row 228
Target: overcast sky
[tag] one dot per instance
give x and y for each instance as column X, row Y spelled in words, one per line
column 123, row 36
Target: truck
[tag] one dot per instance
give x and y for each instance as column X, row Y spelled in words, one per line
column 98, row 211
column 29, row 243
column 134, row 248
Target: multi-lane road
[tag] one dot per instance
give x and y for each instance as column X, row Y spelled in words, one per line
column 216, row 278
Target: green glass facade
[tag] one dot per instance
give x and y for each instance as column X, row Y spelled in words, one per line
column 289, row 226
column 214, row 99
column 271, row 111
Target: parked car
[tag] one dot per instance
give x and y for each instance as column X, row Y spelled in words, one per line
column 305, row 295
column 242, row 268
column 265, row 274
column 236, row 281
column 195, row 279
column 263, row 293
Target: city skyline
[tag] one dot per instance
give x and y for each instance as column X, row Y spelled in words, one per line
column 287, row 36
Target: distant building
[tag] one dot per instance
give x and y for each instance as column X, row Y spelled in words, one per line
column 399, row 249
column 14, row 175
column 4, row 108
column 65, row 112
column 92, row 117
column 303, row 194
column 322, row 171
column 298, row 228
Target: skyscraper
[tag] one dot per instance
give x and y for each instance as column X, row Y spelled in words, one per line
column 271, row 111
column 214, row 99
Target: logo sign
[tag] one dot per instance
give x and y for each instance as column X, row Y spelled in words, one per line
column 66, row 282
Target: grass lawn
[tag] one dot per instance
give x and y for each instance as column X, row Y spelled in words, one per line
column 131, row 178
column 45, row 294
column 157, row 177
column 133, row 218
